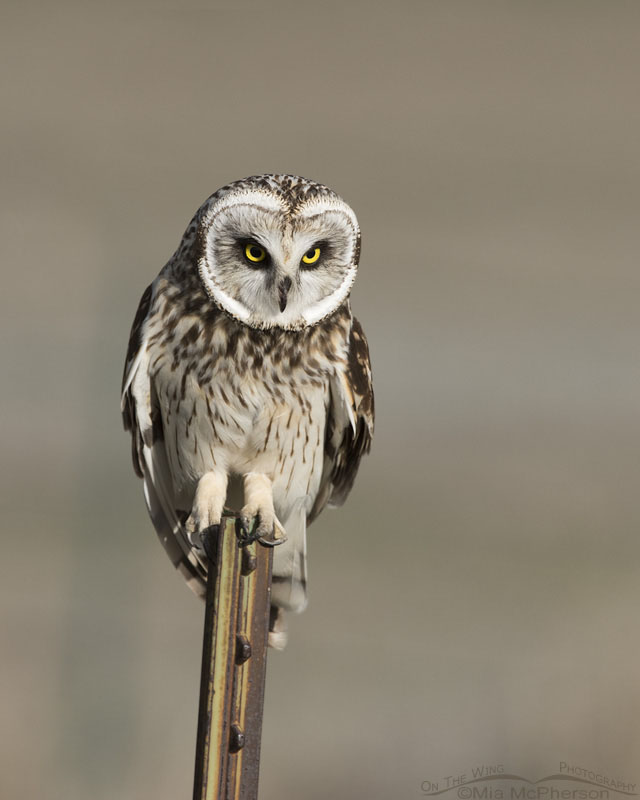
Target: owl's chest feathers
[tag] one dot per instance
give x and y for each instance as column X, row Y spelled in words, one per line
column 241, row 400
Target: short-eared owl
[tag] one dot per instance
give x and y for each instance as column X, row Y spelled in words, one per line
column 246, row 363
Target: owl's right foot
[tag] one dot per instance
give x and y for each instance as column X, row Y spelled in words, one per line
column 206, row 512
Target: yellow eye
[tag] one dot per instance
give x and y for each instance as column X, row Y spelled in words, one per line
column 255, row 253
column 311, row 256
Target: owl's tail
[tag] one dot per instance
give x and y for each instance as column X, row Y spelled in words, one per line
column 289, row 583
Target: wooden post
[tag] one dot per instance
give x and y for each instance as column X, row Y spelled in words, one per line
column 234, row 660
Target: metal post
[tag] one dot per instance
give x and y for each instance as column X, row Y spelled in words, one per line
column 234, row 660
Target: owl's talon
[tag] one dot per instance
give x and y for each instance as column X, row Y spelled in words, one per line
column 243, row 531
column 268, row 535
column 272, row 542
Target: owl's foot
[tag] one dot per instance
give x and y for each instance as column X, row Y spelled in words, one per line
column 258, row 507
column 267, row 531
column 206, row 512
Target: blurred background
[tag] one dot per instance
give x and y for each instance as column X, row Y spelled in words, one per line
column 476, row 601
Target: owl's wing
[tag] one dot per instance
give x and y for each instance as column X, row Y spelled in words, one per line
column 350, row 422
column 142, row 417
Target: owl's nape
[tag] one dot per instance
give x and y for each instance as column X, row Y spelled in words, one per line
column 245, row 365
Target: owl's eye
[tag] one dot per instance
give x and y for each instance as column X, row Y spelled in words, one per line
column 311, row 256
column 254, row 253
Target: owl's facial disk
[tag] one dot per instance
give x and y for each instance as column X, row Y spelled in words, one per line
column 269, row 268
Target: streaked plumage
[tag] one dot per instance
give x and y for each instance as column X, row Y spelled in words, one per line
column 239, row 368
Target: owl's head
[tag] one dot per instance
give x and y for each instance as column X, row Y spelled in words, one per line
column 277, row 251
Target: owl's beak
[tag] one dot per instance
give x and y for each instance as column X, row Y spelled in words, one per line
column 283, row 291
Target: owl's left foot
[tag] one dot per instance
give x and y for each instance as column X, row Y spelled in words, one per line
column 257, row 528
column 258, row 509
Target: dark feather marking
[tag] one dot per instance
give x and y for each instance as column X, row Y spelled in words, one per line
column 266, row 438
column 204, row 370
column 191, row 336
column 157, row 431
column 313, row 467
column 241, row 400
column 306, row 441
column 293, row 466
column 232, row 343
column 209, row 411
column 177, row 447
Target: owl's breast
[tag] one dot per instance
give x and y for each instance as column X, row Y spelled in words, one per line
column 236, row 418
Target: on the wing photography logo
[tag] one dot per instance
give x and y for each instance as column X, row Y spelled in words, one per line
column 494, row 782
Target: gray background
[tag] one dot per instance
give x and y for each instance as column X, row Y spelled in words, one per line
column 476, row 600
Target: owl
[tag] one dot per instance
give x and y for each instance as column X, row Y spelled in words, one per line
column 246, row 368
